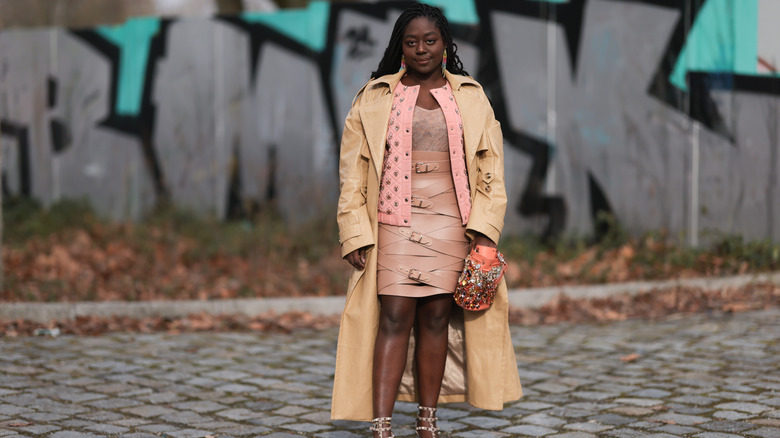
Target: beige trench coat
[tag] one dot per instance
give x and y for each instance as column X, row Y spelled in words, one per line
column 481, row 365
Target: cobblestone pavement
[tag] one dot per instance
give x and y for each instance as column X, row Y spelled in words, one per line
column 697, row 376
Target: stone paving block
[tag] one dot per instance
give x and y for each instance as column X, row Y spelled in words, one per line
column 157, row 428
column 675, row 429
column 42, row 417
column 101, row 416
column 594, row 395
column 113, row 403
column 139, row 435
column 554, row 388
column 271, row 420
column 480, row 434
column 532, row 406
column 321, row 417
column 727, row 426
column 291, row 411
column 751, row 408
column 243, row 431
column 131, row 422
column 613, row 419
column 283, row 435
column 731, row 415
column 650, row 393
column 674, row 418
column 148, row 411
column 184, row 417
column 189, row 433
column 632, row 411
column 687, row 409
column 338, row 434
column 227, row 375
column 738, row 396
column 108, row 429
column 40, row 429
column 236, row 388
column 307, row 428
column 200, row 406
column 765, row 432
column 542, row 419
column 13, row 410
column 572, row 435
column 716, row 435
column 636, row 401
column 484, row 422
column 624, row 433
column 529, row 430
column 590, row 426
column 240, row 414
column 79, row 397
column 72, row 434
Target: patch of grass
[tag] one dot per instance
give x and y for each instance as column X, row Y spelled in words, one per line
column 24, row 219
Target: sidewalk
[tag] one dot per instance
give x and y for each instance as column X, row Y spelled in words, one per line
column 699, row 376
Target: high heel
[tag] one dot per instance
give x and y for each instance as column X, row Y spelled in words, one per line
column 382, row 425
column 430, row 420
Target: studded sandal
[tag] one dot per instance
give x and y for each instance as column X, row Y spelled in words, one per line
column 382, row 425
column 428, row 423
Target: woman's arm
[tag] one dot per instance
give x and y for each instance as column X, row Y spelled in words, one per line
column 489, row 203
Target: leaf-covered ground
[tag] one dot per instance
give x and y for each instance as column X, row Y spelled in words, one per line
column 648, row 305
column 67, row 254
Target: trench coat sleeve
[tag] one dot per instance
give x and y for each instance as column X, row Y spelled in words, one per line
column 489, row 200
column 355, row 229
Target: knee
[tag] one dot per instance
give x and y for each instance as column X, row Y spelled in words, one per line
column 437, row 322
column 395, row 323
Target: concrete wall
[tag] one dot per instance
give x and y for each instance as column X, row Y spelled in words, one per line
column 663, row 113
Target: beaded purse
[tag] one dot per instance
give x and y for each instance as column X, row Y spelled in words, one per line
column 479, row 280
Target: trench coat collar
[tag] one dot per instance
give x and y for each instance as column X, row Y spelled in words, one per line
column 376, row 114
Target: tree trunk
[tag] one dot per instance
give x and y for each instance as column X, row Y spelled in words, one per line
column 230, row 7
column 2, row 267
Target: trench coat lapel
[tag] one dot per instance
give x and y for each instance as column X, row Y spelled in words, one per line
column 375, row 117
column 472, row 112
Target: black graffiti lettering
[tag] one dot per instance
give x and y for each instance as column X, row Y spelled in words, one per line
column 360, row 43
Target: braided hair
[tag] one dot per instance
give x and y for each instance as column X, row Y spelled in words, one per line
column 391, row 61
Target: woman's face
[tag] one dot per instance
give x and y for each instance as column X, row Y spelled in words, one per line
column 423, row 46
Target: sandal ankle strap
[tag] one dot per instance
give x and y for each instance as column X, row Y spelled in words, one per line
column 431, row 420
column 382, row 424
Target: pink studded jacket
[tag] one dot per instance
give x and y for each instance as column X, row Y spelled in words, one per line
column 395, row 192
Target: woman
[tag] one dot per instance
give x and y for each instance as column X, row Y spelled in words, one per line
column 421, row 175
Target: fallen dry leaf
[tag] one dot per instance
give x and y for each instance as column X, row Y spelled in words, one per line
column 631, row 357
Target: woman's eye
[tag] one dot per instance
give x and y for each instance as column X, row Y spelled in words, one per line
column 431, row 41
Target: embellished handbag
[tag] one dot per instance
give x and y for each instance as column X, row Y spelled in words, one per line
column 479, row 280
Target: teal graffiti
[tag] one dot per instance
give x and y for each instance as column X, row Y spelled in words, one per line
column 307, row 26
column 457, row 11
column 133, row 38
column 724, row 38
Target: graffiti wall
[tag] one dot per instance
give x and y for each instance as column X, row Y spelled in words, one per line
column 663, row 113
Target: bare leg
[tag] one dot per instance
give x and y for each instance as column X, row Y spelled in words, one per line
column 396, row 319
column 433, row 317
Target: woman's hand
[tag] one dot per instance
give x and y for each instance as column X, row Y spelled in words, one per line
column 482, row 240
column 357, row 258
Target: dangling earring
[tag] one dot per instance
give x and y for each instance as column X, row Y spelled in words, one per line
column 444, row 62
column 403, row 63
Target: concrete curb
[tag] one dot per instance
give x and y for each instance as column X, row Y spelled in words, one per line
column 520, row 298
